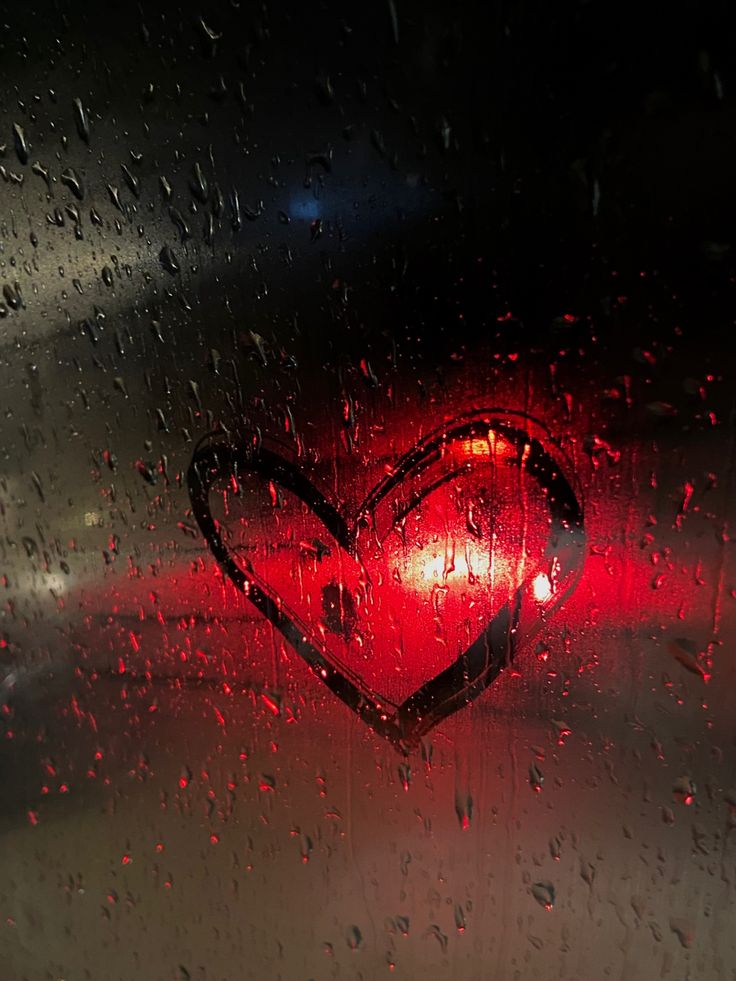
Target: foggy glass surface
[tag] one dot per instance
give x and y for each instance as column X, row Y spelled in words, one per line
column 335, row 235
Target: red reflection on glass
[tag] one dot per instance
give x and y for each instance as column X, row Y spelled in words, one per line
column 409, row 605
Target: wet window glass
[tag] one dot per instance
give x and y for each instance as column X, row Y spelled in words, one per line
column 367, row 586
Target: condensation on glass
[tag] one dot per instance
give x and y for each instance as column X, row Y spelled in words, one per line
column 366, row 578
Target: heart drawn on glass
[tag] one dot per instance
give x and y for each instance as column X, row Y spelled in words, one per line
column 430, row 587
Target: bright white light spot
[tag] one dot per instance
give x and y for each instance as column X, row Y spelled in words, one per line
column 542, row 588
column 436, row 567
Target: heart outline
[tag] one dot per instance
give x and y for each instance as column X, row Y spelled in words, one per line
column 217, row 458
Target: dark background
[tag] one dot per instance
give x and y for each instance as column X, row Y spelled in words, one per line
column 570, row 153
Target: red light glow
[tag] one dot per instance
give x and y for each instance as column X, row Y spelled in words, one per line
column 416, row 592
column 492, row 445
column 408, row 601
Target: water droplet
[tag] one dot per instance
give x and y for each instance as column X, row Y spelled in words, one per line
column 194, row 390
column 40, row 171
column 267, row 783
column 394, row 20
column 37, row 483
column 544, row 893
column 71, row 179
column 405, row 775
column 178, row 219
column 30, row 546
column 12, row 294
column 237, row 220
column 459, row 919
column 207, row 31
column 464, row 809
column 168, row 260
column 536, row 778
column 218, row 202
column 562, row 731
column 683, row 930
column 305, row 847
column 22, row 148
column 131, row 180
column 684, row 790
column 445, row 133
column 259, row 345
column 440, row 937
column 81, row 120
column 114, row 193
column 198, row 185
column 325, row 91
column 146, row 470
